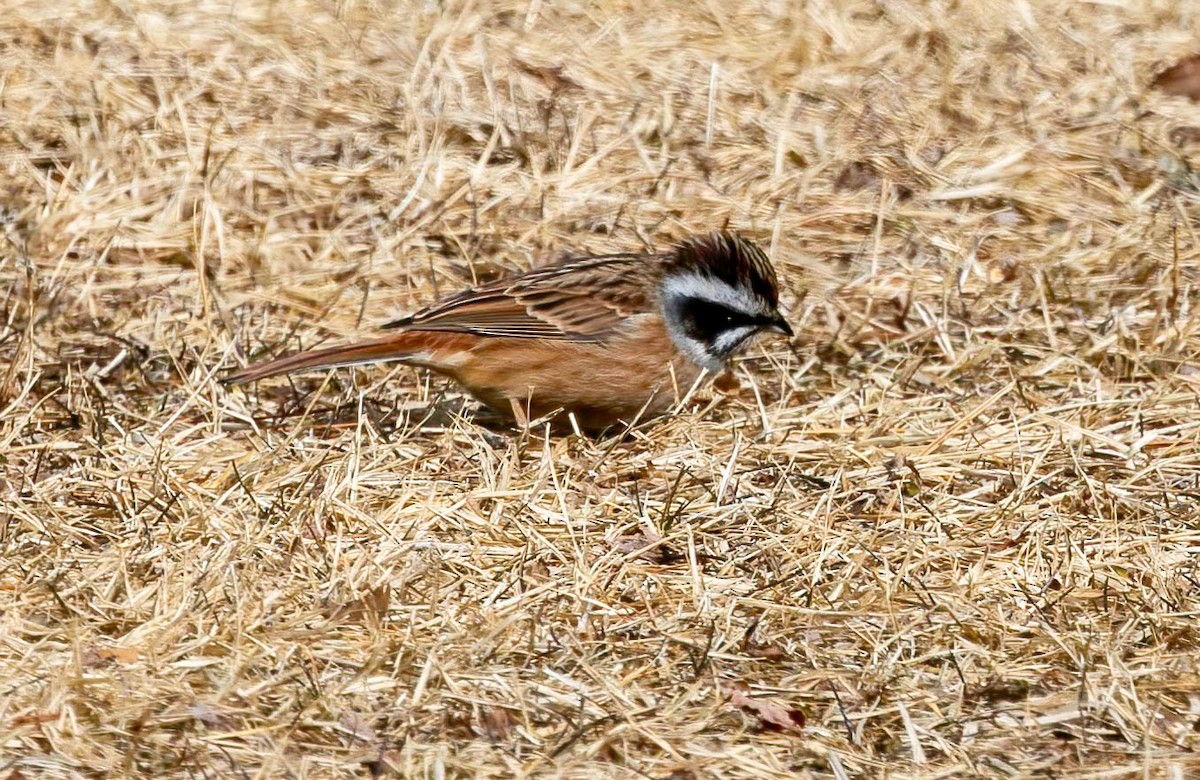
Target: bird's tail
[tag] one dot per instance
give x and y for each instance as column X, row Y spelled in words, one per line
column 391, row 347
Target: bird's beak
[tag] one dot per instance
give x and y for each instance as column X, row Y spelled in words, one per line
column 780, row 325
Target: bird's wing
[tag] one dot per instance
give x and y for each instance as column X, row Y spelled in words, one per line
column 583, row 299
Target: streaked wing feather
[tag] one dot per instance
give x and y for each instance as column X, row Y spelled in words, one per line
column 583, row 299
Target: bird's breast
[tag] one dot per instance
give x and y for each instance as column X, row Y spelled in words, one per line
column 637, row 370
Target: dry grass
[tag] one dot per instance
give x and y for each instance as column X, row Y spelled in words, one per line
column 956, row 528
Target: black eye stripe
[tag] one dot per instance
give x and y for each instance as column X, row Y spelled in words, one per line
column 706, row 320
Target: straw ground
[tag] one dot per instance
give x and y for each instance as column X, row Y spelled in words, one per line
column 951, row 531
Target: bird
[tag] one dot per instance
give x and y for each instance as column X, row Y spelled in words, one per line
column 606, row 339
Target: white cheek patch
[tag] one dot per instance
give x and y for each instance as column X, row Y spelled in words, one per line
column 731, row 339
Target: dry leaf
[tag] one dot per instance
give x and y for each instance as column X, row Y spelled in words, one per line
column 385, row 763
column 120, row 655
column 726, row 383
column 371, row 606
column 1185, row 135
column 206, row 714
column 647, row 546
column 496, row 723
column 772, row 714
column 357, row 726
column 858, row 175
column 551, row 75
column 1182, row 78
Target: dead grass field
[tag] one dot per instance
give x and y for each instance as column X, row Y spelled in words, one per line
column 955, row 527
